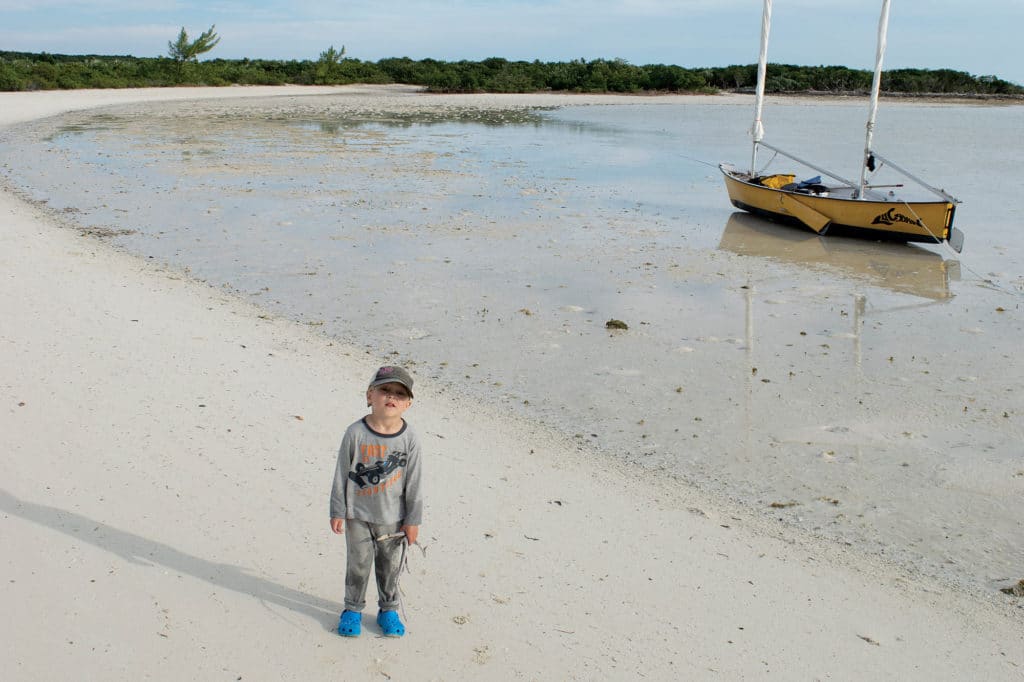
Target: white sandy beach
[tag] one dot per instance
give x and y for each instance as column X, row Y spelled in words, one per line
column 164, row 511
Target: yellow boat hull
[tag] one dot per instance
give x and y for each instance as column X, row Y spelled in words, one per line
column 916, row 221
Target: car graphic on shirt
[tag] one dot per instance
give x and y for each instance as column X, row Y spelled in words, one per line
column 371, row 475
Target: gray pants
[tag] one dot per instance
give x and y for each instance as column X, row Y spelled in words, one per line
column 363, row 549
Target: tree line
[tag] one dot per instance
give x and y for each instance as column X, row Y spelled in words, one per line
column 42, row 71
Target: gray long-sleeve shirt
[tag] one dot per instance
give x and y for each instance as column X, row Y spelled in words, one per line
column 377, row 478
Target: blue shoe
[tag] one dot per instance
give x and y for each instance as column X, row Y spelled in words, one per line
column 351, row 623
column 390, row 624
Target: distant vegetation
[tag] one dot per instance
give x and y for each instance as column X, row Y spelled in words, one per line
column 29, row 71
column 783, row 78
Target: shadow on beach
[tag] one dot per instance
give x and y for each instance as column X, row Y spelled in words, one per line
column 143, row 551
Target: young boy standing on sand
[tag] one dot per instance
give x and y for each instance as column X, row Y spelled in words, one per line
column 376, row 497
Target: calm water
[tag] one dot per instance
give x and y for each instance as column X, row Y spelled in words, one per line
column 871, row 392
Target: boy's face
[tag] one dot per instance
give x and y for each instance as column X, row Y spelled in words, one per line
column 388, row 400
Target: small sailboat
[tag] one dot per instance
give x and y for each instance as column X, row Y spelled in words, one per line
column 837, row 205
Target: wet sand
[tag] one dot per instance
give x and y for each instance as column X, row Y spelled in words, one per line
column 164, row 509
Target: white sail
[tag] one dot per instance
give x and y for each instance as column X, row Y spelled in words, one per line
column 876, row 84
column 757, row 129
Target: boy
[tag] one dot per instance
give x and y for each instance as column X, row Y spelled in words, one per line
column 376, row 497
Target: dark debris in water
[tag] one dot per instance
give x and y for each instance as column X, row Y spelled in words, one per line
column 105, row 232
column 1014, row 590
column 616, row 324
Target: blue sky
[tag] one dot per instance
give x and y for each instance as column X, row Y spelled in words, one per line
column 980, row 37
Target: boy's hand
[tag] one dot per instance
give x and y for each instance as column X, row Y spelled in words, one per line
column 338, row 526
column 411, row 533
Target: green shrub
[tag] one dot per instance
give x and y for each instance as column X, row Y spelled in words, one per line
column 28, row 71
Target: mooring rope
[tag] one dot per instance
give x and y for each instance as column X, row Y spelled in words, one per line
column 696, row 160
column 959, row 257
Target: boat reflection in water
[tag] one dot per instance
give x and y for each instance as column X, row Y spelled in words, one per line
column 898, row 267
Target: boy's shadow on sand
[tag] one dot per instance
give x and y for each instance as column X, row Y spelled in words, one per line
column 139, row 550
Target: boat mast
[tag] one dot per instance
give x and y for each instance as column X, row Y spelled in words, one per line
column 876, row 84
column 757, row 130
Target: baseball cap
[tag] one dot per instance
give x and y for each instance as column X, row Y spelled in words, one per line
column 392, row 375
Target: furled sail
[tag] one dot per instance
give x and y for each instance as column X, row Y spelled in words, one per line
column 757, row 129
column 876, row 85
